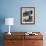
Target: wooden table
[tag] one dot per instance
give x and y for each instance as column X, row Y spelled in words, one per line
column 20, row 39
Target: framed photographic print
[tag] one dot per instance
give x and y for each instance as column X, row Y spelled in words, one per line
column 27, row 15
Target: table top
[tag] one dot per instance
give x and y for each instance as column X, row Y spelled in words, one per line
column 22, row 35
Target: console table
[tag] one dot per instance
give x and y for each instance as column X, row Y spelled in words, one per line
column 21, row 39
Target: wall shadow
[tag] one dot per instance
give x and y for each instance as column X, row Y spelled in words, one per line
column 2, row 21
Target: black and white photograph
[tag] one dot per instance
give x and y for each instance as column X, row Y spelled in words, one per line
column 27, row 15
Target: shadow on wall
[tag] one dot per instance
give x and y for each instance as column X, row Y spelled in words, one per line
column 2, row 21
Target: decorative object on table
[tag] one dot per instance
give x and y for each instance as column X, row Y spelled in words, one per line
column 30, row 33
column 9, row 21
column 27, row 15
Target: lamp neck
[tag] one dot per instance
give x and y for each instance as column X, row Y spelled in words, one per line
column 9, row 28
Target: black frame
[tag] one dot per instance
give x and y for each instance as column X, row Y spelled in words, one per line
column 21, row 10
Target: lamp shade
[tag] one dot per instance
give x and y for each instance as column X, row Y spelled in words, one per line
column 9, row 21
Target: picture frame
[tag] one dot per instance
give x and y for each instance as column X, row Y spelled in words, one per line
column 27, row 15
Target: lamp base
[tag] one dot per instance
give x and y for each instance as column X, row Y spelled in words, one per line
column 9, row 33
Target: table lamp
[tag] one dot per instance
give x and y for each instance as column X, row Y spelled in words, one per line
column 9, row 21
